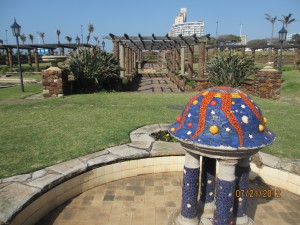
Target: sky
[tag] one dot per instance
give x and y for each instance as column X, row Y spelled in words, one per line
column 145, row 17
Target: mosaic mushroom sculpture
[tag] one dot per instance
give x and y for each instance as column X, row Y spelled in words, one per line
column 220, row 124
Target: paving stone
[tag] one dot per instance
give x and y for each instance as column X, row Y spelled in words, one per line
column 103, row 159
column 38, row 174
column 147, row 129
column 47, row 182
column 270, row 160
column 13, row 197
column 161, row 148
column 69, row 168
column 18, row 178
column 142, row 140
column 93, row 155
column 291, row 165
column 128, row 152
column 164, row 127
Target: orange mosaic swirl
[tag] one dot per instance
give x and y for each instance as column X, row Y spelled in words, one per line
column 202, row 113
column 186, row 110
column 226, row 108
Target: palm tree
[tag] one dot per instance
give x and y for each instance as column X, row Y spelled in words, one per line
column 42, row 35
column 69, row 39
column 31, row 38
column 23, row 38
column 88, row 39
column 58, row 33
column 96, row 39
column 90, row 30
column 271, row 20
column 286, row 20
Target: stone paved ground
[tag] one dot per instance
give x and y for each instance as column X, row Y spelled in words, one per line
column 154, row 83
column 150, row 199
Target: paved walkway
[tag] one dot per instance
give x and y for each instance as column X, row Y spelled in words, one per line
column 154, row 83
column 150, row 199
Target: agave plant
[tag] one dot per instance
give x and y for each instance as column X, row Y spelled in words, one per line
column 229, row 69
column 93, row 68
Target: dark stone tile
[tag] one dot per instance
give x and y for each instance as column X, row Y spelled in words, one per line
column 108, row 198
column 170, row 204
column 287, row 218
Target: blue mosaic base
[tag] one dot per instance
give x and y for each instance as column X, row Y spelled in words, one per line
column 190, row 190
column 224, row 202
column 242, row 183
column 208, row 180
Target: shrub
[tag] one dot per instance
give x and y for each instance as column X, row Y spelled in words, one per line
column 93, row 69
column 229, row 69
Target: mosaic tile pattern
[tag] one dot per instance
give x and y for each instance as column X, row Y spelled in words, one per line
column 222, row 116
column 190, row 189
column 208, row 176
column 225, row 194
column 242, row 183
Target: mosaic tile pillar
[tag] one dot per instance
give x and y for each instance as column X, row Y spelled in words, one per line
column 190, row 189
column 225, row 193
column 208, row 175
column 242, row 184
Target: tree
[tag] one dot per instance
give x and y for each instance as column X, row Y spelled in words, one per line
column 31, row 38
column 257, row 42
column 229, row 38
column 90, row 30
column 68, row 38
column 42, row 35
column 58, row 33
column 23, row 38
column 295, row 39
column 1, row 41
column 286, row 20
column 88, row 39
column 96, row 39
column 271, row 20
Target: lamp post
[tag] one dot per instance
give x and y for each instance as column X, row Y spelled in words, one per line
column 282, row 38
column 16, row 30
column 81, row 34
column 6, row 37
column 103, row 45
column 77, row 39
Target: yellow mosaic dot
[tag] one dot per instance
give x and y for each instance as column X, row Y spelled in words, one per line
column 195, row 102
column 172, row 129
column 261, row 127
column 252, row 100
column 265, row 120
column 232, row 103
column 213, row 129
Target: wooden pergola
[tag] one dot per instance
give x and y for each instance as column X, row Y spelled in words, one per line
column 34, row 48
column 128, row 50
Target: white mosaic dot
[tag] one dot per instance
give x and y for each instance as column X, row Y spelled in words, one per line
column 240, row 199
column 211, row 193
column 184, row 171
column 188, row 184
column 230, row 194
column 188, row 205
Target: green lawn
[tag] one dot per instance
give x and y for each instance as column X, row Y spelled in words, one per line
column 39, row 133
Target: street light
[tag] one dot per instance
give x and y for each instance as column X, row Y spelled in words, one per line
column 282, row 38
column 77, row 39
column 103, row 45
column 16, row 30
column 6, row 37
column 81, row 34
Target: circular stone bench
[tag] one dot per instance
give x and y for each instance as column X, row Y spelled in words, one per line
column 25, row 199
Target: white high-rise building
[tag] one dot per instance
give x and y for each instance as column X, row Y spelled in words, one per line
column 180, row 26
column 181, row 17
